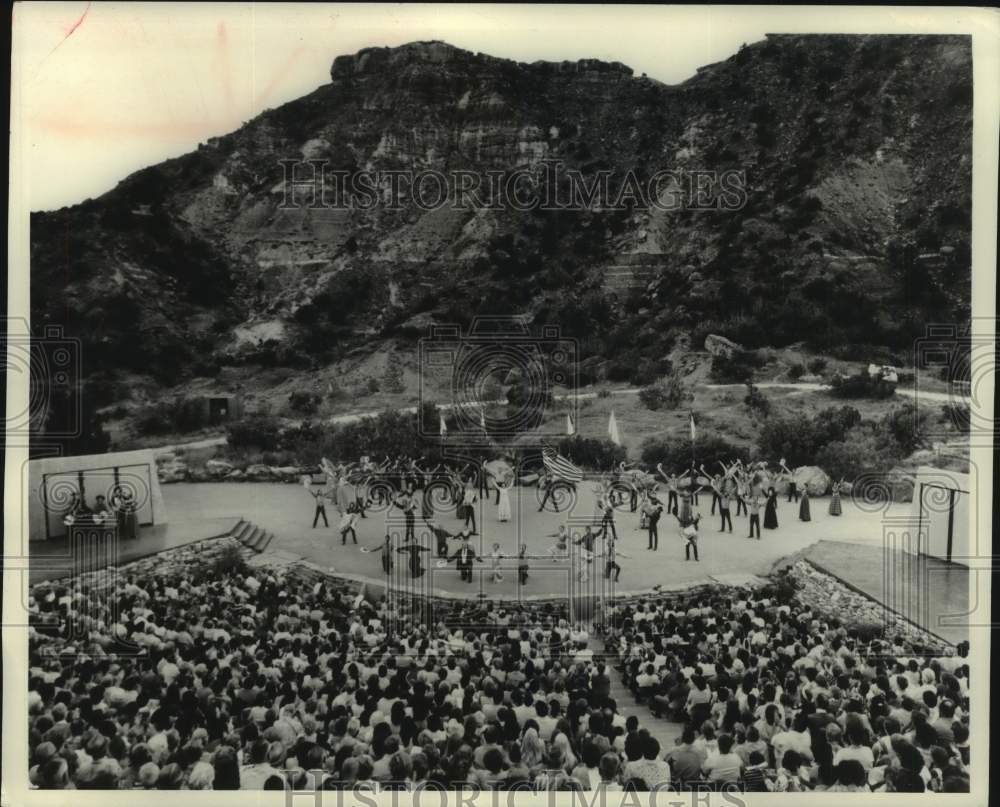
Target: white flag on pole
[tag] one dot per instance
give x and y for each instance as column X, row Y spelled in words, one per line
column 613, row 433
column 693, row 432
column 443, row 428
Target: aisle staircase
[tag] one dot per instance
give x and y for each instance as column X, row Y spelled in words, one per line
column 665, row 731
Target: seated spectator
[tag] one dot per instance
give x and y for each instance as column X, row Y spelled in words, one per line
column 724, row 766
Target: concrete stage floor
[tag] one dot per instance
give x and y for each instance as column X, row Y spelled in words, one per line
column 287, row 511
column 928, row 591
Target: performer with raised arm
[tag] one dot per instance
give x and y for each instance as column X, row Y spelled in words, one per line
column 385, row 550
column 835, row 509
column 753, row 502
column 407, row 502
column 742, row 487
column 414, row 549
column 503, row 499
column 586, row 542
column 319, row 495
column 441, row 535
column 561, row 546
column 723, row 494
column 672, row 482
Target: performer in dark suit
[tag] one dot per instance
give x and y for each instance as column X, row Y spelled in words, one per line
column 465, row 557
column 441, row 535
column 414, row 549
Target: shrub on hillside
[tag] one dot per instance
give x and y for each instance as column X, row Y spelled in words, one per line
column 305, row 403
column 675, row 452
column 260, row 432
column 668, row 393
column 735, row 370
column 861, row 385
column 591, row 453
column 796, row 371
column 905, row 426
column 817, row 365
column 798, row 439
column 179, row 415
column 756, row 401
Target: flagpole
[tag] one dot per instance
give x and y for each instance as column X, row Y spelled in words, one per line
column 691, row 413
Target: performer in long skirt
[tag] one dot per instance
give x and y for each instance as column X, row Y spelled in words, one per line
column 522, row 564
column 503, row 500
column 804, row 505
column 771, row 510
column 835, row 509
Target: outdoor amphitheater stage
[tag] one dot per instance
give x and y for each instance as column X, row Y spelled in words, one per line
column 929, row 592
column 286, row 510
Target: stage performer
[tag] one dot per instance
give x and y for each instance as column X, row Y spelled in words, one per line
column 503, row 499
column 319, row 495
column 753, row 508
column 407, row 502
column 416, row 567
column 469, row 500
column 385, row 550
column 723, row 493
column 653, row 509
column 441, row 535
column 691, row 534
column 465, row 557
column 522, row 565
column 835, row 509
column 347, row 521
column 771, row 510
column 611, row 557
column 804, row 504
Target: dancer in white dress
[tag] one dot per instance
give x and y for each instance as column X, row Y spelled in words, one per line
column 503, row 499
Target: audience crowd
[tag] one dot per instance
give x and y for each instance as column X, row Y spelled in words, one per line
column 266, row 679
column 776, row 697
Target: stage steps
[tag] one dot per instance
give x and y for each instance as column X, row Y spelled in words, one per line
column 251, row 536
column 665, row 731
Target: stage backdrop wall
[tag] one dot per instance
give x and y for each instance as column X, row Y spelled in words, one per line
column 54, row 480
column 941, row 507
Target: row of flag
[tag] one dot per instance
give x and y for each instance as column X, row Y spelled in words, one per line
column 613, row 433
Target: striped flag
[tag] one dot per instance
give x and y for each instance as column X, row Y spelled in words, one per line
column 693, row 431
column 560, row 466
column 442, row 428
column 616, row 438
column 570, row 429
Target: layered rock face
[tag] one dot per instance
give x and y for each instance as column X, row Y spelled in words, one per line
column 855, row 160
